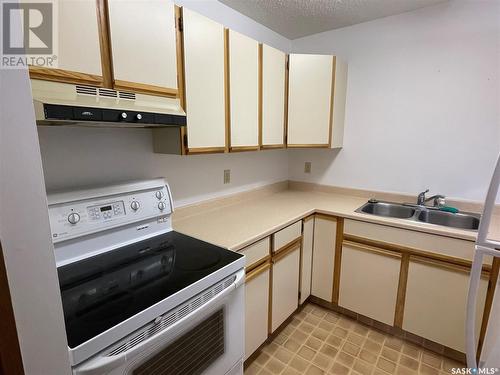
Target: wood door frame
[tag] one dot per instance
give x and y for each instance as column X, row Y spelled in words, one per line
column 10, row 354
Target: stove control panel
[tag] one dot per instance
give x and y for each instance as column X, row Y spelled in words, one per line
column 80, row 213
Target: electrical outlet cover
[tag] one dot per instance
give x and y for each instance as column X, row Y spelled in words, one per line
column 227, row 176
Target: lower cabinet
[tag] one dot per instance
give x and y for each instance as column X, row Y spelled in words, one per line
column 256, row 307
column 325, row 233
column 369, row 279
column 306, row 259
column 436, row 297
column 285, row 285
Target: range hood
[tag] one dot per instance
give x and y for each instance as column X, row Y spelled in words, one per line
column 67, row 104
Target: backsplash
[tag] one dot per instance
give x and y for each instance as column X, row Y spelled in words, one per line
column 75, row 157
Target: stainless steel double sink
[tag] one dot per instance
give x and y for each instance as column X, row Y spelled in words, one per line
column 423, row 214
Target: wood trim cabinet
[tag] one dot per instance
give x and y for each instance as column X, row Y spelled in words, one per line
column 79, row 48
column 144, row 56
column 316, row 101
column 204, row 64
column 436, row 296
column 256, row 308
column 325, row 234
column 285, row 285
column 238, row 94
column 369, row 281
column 273, row 97
column 243, row 55
column 432, row 281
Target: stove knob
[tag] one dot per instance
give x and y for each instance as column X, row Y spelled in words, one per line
column 135, row 205
column 73, row 218
column 162, row 206
column 124, row 115
column 138, row 116
column 159, row 194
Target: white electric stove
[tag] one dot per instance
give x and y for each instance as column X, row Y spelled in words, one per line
column 138, row 297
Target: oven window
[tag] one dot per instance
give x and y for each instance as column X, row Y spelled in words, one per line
column 190, row 354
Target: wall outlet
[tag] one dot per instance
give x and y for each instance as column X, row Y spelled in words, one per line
column 307, row 167
column 227, row 176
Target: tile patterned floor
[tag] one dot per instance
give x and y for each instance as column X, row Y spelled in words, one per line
column 318, row 341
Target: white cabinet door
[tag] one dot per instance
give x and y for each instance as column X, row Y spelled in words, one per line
column 143, row 45
column 436, row 296
column 273, row 96
column 309, row 100
column 256, row 308
column 316, row 101
column 325, row 232
column 78, row 49
column 244, row 91
column 369, row 281
column 285, row 287
column 204, row 80
column 306, row 262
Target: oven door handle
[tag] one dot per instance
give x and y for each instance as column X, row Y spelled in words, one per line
column 102, row 363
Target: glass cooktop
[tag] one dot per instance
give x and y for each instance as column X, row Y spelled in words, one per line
column 102, row 291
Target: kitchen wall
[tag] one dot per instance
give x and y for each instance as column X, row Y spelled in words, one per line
column 73, row 157
column 423, row 103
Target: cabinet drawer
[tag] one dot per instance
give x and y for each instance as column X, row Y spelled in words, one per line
column 256, row 308
column 408, row 238
column 256, row 252
column 287, row 235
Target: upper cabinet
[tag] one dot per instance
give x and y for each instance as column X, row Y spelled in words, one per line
column 273, row 97
column 204, row 65
column 243, row 55
column 238, row 95
column 79, row 46
column 316, row 101
column 142, row 35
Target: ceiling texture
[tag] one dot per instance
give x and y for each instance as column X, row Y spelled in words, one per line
column 298, row 18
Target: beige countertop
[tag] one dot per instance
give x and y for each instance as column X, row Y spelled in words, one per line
column 243, row 221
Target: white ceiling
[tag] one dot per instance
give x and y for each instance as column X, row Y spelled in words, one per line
column 298, row 18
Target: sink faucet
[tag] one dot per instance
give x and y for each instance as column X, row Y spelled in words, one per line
column 438, row 199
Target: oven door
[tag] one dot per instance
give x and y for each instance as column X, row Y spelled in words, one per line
column 208, row 340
